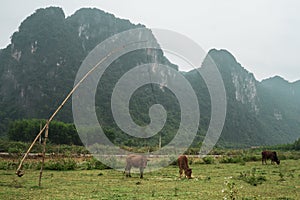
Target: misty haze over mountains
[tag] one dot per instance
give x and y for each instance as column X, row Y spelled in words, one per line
column 38, row 68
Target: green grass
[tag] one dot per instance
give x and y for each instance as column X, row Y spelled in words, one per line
column 210, row 182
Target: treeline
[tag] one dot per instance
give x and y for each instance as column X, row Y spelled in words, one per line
column 26, row 130
column 296, row 145
column 65, row 133
column 59, row 132
column 293, row 146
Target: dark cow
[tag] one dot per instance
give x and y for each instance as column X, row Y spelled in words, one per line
column 184, row 166
column 272, row 155
column 138, row 161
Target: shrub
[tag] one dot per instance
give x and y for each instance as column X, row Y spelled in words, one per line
column 7, row 165
column 198, row 161
column 231, row 190
column 173, row 160
column 249, row 158
column 93, row 163
column 60, row 164
column 208, row 160
column 251, row 177
column 229, row 159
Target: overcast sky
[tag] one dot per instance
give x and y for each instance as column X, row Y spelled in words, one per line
column 263, row 35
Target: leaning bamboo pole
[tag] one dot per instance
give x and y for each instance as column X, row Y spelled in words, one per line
column 19, row 169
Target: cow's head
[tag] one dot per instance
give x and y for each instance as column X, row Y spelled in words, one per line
column 144, row 163
column 188, row 173
column 275, row 158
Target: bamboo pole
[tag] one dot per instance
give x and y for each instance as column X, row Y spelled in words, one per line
column 43, row 154
column 19, row 169
column 40, row 140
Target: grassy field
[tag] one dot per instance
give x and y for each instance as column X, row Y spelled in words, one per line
column 249, row 180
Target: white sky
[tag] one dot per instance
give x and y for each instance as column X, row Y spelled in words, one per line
column 263, row 35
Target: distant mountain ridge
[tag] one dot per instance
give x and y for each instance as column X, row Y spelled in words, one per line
column 268, row 111
column 38, row 69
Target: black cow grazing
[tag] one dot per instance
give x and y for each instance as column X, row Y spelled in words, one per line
column 272, row 155
column 184, row 166
column 138, row 161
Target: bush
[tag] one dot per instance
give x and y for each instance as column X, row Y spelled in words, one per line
column 61, row 164
column 197, row 161
column 7, row 165
column 251, row 177
column 230, row 159
column 249, row 158
column 173, row 160
column 209, row 160
column 92, row 163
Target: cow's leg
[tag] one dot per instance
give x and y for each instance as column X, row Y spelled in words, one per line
column 185, row 173
column 141, row 172
column 127, row 170
column 129, row 175
column 180, row 172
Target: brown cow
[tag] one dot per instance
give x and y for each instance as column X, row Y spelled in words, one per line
column 184, row 166
column 272, row 155
column 138, row 161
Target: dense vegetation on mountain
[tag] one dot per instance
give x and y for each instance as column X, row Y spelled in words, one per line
column 38, row 68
